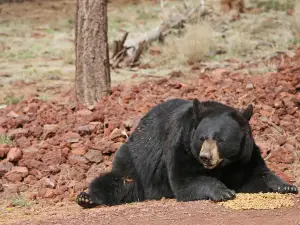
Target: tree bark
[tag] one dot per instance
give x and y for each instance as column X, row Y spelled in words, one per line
column 92, row 79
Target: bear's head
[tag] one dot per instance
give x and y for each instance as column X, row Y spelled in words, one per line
column 222, row 134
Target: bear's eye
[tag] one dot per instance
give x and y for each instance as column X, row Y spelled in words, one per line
column 220, row 140
column 202, row 139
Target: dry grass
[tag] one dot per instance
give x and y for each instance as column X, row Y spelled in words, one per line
column 240, row 44
column 297, row 17
column 194, row 45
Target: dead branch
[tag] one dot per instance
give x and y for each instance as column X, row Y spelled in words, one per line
column 128, row 52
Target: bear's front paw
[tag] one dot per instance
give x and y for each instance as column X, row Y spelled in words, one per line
column 221, row 194
column 84, row 200
column 285, row 188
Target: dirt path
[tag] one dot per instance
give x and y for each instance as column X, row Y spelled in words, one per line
column 155, row 212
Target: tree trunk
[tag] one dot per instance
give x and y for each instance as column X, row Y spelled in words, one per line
column 92, row 59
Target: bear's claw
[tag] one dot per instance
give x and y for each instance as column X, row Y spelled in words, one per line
column 85, row 200
column 287, row 189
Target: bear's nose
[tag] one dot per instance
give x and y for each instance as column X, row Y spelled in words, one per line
column 205, row 157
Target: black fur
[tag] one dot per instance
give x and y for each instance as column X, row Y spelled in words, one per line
column 161, row 158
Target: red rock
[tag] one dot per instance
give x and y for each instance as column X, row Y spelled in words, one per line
column 4, row 149
column 23, row 187
column 83, row 130
column 30, row 179
column 281, row 140
column 14, row 155
column 21, row 120
column 49, row 130
column 94, row 126
column 46, row 193
column 249, row 86
column 18, row 133
column 94, row 156
column 78, row 151
column 31, row 149
column 54, row 169
column 278, row 104
column 5, row 167
column 32, row 195
column 36, row 173
column 265, row 113
column 76, row 159
column 53, row 157
column 49, row 183
column 36, row 130
column 22, row 142
column 71, row 137
column 3, row 120
column 12, row 114
column 282, row 155
column 2, row 131
column 16, row 174
column 84, row 112
column 32, row 108
column 115, row 134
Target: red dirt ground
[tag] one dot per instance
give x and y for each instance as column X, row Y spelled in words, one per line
column 162, row 213
column 59, row 146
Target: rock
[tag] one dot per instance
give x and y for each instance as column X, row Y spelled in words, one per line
column 84, row 112
column 36, row 130
column 54, row 169
column 49, row 130
column 16, row 174
column 5, row 167
column 281, row 140
column 76, row 159
column 3, row 120
column 1, row 188
column 12, row 114
column 14, row 155
column 94, row 156
column 265, row 113
column 21, row 120
column 71, row 137
column 95, row 170
column 16, row 133
column 282, row 155
column 30, row 179
column 46, row 193
column 23, row 187
column 95, row 126
column 2, row 131
column 22, row 142
column 32, row 149
column 31, row 108
column 249, row 86
column 4, row 149
column 49, row 183
column 83, row 130
column 278, row 104
column 32, row 195
column 78, row 149
column 116, row 133
column 53, row 157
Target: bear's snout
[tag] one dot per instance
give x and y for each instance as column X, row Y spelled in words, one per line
column 209, row 154
column 205, row 157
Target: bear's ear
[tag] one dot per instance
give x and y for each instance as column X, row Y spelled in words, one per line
column 248, row 112
column 198, row 109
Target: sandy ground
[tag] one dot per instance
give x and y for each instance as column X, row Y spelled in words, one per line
column 154, row 212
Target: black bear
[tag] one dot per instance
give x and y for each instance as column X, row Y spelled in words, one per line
column 187, row 150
